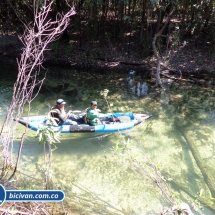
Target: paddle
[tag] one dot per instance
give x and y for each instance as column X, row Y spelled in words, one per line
column 104, row 93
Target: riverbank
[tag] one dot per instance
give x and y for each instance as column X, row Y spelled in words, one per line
column 185, row 61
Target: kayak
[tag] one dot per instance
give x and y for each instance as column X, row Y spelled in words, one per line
column 125, row 120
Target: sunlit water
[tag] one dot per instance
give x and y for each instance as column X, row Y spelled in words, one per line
column 100, row 180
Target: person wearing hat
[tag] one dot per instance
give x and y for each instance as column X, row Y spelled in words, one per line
column 92, row 114
column 60, row 114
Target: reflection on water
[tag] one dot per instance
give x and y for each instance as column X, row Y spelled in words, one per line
column 85, row 166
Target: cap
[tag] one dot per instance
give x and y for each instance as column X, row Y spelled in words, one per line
column 94, row 103
column 61, row 101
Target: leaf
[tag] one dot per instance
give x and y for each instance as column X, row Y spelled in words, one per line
column 56, row 140
column 40, row 137
column 46, row 134
column 55, row 147
column 159, row 166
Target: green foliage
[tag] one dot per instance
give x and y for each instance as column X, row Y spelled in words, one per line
column 206, row 196
column 46, row 134
column 159, row 166
column 99, row 20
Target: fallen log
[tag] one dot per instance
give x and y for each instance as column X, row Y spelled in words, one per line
column 177, row 79
column 208, row 177
column 109, row 60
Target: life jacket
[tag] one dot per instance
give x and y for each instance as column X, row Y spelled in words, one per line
column 55, row 115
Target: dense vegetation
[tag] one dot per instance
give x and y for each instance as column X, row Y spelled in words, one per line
column 122, row 25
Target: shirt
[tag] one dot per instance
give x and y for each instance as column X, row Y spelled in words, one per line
column 92, row 116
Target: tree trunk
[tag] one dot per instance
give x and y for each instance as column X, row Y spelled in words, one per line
column 144, row 24
column 157, row 75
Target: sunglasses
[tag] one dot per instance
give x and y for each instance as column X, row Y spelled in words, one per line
column 94, row 105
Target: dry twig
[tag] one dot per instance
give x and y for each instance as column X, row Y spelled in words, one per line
column 35, row 39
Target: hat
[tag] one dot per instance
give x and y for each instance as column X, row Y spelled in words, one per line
column 61, row 101
column 94, row 103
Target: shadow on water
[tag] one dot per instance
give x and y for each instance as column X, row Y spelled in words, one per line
column 89, row 159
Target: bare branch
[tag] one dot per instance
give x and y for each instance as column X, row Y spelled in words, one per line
column 158, row 79
column 35, row 39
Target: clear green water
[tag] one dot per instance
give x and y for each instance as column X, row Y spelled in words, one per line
column 102, row 181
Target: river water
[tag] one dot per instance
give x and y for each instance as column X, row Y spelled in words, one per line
column 109, row 174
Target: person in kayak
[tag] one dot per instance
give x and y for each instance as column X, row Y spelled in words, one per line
column 92, row 114
column 60, row 114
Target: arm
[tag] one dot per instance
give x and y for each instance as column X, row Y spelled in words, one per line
column 61, row 116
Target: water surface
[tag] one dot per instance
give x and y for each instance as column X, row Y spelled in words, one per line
column 102, row 180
